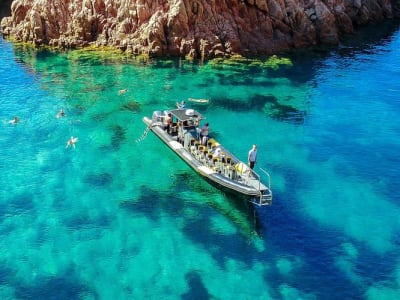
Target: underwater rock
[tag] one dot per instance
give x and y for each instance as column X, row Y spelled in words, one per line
column 201, row 29
column 132, row 106
column 118, row 136
column 99, row 180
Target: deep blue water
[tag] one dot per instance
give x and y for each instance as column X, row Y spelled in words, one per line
column 114, row 218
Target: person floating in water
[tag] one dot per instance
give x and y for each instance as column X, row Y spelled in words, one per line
column 181, row 105
column 60, row 114
column 14, row 121
column 123, row 91
column 71, row 142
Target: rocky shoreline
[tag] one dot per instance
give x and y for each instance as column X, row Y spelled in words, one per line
column 195, row 29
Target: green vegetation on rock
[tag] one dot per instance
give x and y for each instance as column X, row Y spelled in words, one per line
column 274, row 62
column 238, row 63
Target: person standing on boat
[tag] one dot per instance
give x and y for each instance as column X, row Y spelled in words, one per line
column 180, row 132
column 167, row 122
column 204, row 134
column 252, row 158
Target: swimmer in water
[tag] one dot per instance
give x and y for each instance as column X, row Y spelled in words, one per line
column 60, row 114
column 71, row 142
column 181, row 105
column 14, row 121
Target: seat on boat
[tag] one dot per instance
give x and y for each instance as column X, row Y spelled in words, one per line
column 209, row 159
column 215, row 161
column 242, row 168
column 203, row 155
column 212, row 141
column 198, row 151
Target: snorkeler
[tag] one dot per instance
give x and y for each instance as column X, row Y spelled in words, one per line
column 71, row 142
column 60, row 114
column 14, row 121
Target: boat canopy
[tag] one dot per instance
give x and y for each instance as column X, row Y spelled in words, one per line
column 185, row 114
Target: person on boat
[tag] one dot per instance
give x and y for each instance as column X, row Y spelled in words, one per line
column 60, row 114
column 180, row 131
column 71, row 142
column 167, row 122
column 204, row 133
column 252, row 157
column 217, row 153
column 14, row 121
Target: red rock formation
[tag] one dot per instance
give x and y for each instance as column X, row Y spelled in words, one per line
column 198, row 28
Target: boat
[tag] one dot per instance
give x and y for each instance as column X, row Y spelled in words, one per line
column 193, row 101
column 180, row 130
column 200, row 101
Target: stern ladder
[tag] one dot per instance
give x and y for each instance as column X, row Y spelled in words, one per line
column 144, row 134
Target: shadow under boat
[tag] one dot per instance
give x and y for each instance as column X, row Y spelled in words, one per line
column 180, row 200
column 240, row 211
column 237, row 208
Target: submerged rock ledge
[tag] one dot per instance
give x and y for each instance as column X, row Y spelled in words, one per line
column 197, row 29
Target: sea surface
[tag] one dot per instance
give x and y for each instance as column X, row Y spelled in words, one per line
column 118, row 218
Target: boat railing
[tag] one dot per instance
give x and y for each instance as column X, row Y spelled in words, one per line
column 265, row 197
column 268, row 176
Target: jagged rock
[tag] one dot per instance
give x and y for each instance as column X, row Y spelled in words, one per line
column 196, row 28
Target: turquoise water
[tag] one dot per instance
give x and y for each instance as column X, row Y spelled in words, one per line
column 117, row 219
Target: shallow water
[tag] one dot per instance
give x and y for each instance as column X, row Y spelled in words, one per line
column 114, row 218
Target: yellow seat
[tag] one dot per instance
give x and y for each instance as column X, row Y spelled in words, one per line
column 241, row 168
column 212, row 141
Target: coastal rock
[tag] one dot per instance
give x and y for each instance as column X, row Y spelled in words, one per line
column 199, row 28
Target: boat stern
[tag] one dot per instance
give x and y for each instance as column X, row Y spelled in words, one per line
column 263, row 199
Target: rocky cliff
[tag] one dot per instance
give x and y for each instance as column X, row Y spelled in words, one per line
column 197, row 28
